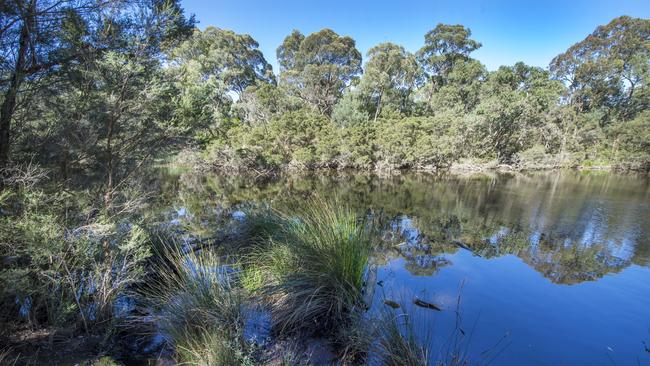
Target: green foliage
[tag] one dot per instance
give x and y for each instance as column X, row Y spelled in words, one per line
column 631, row 142
column 318, row 67
column 357, row 146
column 62, row 275
column 315, row 268
column 421, row 111
column 609, row 69
column 206, row 68
column 232, row 58
column 417, row 142
column 300, row 139
column 262, row 102
column 390, row 119
column 462, row 89
column 513, row 112
column 350, row 110
column 536, row 158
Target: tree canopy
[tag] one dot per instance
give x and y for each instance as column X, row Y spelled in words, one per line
column 609, row 70
column 96, row 89
column 317, row 68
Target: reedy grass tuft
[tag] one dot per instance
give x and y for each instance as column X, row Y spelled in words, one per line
column 197, row 308
column 355, row 340
column 314, row 266
column 210, row 346
column 397, row 343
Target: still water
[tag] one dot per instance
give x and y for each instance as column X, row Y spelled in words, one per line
column 536, row 269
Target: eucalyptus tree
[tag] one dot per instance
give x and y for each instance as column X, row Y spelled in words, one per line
column 609, row 69
column 318, row 68
column 462, row 88
column 513, row 112
column 233, row 58
column 210, row 69
column 444, row 47
column 390, row 76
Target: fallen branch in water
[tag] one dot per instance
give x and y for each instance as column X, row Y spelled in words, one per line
column 426, row 305
column 392, row 304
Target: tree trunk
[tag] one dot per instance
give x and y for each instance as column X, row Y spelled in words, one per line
column 378, row 109
column 9, row 103
column 108, row 195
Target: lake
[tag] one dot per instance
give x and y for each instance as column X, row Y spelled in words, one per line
column 541, row 268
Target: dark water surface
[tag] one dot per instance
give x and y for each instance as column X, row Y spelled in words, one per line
column 550, row 268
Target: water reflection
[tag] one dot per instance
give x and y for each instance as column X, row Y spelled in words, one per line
column 571, row 227
column 560, row 260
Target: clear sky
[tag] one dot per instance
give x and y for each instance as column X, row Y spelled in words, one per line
column 510, row 30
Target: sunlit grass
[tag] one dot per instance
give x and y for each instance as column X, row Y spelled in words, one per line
column 210, row 346
column 314, row 266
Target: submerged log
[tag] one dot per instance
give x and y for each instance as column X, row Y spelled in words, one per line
column 426, row 305
column 392, row 304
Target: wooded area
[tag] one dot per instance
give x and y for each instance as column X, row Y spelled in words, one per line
column 92, row 89
column 94, row 92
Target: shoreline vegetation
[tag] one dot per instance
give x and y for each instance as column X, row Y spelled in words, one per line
column 93, row 93
column 195, row 160
column 299, row 281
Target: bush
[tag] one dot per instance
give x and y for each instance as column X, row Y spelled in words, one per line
column 301, row 139
column 57, row 276
column 536, row 158
column 416, row 142
column 358, row 146
column 631, row 143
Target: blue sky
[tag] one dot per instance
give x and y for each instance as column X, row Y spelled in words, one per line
column 511, row 31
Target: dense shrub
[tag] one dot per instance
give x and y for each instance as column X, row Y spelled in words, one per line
column 60, row 271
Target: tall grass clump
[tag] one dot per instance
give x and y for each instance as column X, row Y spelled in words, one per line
column 315, row 267
column 261, row 226
column 397, row 342
column 354, row 340
column 211, row 346
column 198, row 310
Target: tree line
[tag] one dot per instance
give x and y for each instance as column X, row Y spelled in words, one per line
column 95, row 89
